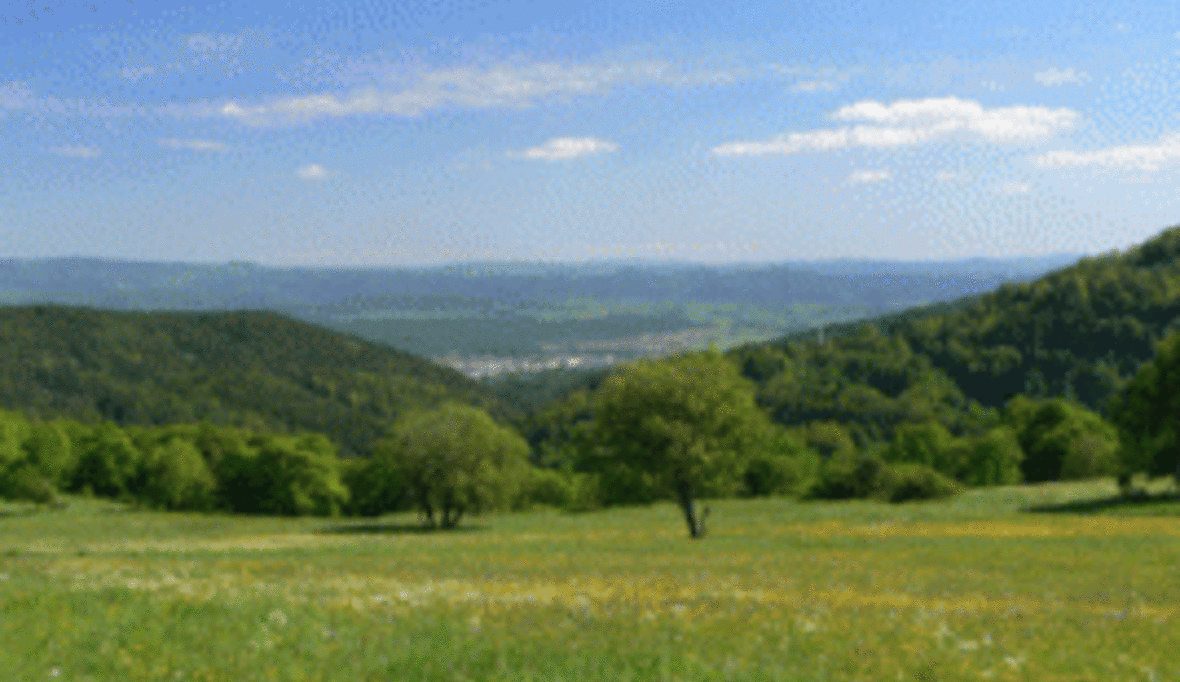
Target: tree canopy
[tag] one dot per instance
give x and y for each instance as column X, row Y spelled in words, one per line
column 683, row 425
column 453, row 460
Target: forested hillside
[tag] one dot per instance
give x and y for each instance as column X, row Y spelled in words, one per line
column 1079, row 333
column 253, row 369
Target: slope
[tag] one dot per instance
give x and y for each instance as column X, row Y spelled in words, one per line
column 256, row 369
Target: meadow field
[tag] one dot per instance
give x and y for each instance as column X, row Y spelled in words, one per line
column 1022, row 583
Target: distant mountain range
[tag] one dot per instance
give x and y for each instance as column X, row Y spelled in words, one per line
column 484, row 317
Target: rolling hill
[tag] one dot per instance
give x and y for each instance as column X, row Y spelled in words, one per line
column 255, row 369
column 1080, row 332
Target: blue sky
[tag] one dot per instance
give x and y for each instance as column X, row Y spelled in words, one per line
column 374, row 133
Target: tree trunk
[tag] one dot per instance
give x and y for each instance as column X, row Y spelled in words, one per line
column 451, row 517
column 426, row 507
column 696, row 526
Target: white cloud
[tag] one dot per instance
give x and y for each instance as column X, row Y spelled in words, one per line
column 814, row 86
column 1016, row 188
column 909, row 122
column 312, row 171
column 1054, row 76
column 866, row 176
column 76, row 152
column 497, row 87
column 195, row 145
column 1145, row 157
column 560, row 148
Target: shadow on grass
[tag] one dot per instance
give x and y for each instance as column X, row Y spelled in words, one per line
column 1161, row 504
column 379, row 528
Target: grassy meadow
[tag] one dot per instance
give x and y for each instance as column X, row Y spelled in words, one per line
column 981, row 587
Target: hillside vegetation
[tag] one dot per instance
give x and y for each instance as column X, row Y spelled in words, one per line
column 252, row 369
column 1080, row 332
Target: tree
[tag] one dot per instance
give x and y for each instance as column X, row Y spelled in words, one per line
column 993, row 459
column 784, row 465
column 687, row 423
column 454, row 460
column 1062, row 439
column 1146, row 415
column 107, row 461
column 928, row 443
column 48, row 449
column 175, row 476
column 298, row 475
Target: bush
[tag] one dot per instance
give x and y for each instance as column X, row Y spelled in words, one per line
column 23, row 481
column 561, row 488
column 906, row 482
column 847, row 474
column 543, row 487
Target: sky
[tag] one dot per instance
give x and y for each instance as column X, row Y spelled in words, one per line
column 368, row 134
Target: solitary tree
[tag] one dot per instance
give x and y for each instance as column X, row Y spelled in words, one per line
column 452, row 460
column 686, row 423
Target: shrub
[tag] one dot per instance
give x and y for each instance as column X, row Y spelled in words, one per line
column 847, row 474
column 23, row 481
column 907, row 481
column 543, row 487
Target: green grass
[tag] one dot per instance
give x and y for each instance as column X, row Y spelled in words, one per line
column 974, row 588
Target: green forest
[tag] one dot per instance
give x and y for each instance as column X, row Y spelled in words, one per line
column 1065, row 377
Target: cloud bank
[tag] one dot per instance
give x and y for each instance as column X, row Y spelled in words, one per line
column 910, row 122
column 1147, row 157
